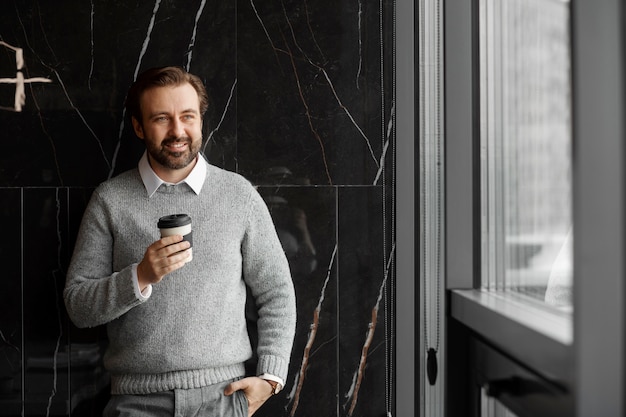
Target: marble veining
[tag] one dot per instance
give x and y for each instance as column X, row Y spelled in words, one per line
column 294, row 396
column 301, row 103
column 319, row 68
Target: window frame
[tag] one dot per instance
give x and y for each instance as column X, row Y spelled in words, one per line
column 589, row 362
column 406, row 292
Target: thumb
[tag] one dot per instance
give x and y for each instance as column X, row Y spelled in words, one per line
column 234, row 386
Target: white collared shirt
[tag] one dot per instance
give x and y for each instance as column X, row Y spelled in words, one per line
column 152, row 182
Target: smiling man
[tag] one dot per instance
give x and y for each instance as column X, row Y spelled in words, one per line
column 170, row 123
column 177, row 330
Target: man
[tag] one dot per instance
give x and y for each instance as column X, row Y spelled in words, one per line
column 177, row 329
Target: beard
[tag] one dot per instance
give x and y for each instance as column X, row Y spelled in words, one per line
column 175, row 160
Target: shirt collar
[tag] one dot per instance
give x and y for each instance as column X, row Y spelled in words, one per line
column 195, row 179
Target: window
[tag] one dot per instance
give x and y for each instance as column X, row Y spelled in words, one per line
column 509, row 176
column 526, row 148
column 498, row 339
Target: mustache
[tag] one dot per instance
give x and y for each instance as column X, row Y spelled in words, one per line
column 170, row 140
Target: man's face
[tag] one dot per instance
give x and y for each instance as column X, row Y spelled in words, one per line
column 171, row 127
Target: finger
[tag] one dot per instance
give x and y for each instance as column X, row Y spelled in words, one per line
column 169, row 240
column 240, row 385
column 170, row 250
column 160, row 263
column 172, row 262
column 180, row 256
column 232, row 388
column 154, row 249
column 168, row 255
column 164, row 242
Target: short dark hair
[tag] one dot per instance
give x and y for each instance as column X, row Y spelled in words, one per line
column 163, row 77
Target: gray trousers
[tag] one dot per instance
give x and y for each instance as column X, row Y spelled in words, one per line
column 206, row 401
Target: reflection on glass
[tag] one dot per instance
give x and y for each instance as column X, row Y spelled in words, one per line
column 526, row 141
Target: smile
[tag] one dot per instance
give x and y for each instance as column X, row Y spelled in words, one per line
column 176, row 146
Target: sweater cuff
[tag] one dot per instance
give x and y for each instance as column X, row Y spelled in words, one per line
column 273, row 365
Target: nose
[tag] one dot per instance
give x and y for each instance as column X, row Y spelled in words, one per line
column 177, row 128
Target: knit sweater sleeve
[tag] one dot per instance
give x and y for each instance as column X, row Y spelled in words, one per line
column 266, row 272
column 94, row 294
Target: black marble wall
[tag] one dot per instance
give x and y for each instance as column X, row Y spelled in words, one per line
column 302, row 105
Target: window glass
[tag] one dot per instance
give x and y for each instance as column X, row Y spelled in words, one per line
column 526, row 148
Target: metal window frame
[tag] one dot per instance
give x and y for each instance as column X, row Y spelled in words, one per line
column 407, row 355
column 599, row 206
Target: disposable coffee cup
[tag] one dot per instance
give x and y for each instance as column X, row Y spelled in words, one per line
column 177, row 224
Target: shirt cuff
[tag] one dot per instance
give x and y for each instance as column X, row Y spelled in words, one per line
column 142, row 295
column 273, row 378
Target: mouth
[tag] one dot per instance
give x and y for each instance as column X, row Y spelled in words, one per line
column 176, row 147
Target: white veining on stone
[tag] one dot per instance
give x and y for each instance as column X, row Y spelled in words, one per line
column 381, row 165
column 294, row 395
column 219, row 124
column 144, row 47
column 269, row 38
column 360, row 66
column 79, row 113
column 332, row 88
column 91, row 65
column 56, row 275
column 353, row 393
column 193, row 36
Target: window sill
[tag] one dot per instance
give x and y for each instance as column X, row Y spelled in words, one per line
column 523, row 328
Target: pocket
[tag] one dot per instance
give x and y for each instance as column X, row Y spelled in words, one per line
column 243, row 403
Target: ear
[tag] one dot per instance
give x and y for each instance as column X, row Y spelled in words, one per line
column 137, row 127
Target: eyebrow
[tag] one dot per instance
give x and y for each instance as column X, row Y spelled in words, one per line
column 186, row 111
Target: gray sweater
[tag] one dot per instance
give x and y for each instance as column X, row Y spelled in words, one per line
column 191, row 331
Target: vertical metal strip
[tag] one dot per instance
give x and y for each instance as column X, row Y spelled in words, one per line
column 431, row 207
